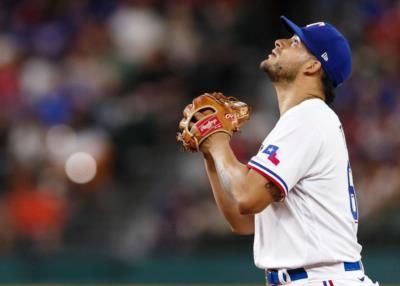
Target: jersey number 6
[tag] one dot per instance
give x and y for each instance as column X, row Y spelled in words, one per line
column 352, row 194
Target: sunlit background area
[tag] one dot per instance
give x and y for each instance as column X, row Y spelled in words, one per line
column 93, row 185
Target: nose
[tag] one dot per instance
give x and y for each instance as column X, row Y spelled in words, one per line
column 279, row 43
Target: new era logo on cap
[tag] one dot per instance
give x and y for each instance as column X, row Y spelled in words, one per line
column 318, row 24
column 328, row 45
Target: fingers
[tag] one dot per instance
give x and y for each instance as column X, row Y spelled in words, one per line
column 200, row 115
column 196, row 117
column 208, row 112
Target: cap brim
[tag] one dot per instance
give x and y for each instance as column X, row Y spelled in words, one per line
column 292, row 27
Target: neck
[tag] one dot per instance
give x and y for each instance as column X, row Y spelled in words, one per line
column 290, row 95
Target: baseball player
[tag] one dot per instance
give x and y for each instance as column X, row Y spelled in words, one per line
column 296, row 195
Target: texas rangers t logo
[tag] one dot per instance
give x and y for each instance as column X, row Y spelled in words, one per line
column 271, row 152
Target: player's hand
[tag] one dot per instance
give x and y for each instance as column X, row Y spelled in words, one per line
column 215, row 138
column 208, row 114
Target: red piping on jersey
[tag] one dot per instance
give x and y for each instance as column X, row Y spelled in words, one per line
column 331, row 283
column 269, row 178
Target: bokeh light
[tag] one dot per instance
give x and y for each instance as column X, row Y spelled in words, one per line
column 81, row 167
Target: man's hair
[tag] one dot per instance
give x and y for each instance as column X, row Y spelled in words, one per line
column 328, row 88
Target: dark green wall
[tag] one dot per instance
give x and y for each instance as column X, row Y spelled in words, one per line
column 382, row 264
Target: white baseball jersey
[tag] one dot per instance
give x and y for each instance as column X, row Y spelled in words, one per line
column 305, row 155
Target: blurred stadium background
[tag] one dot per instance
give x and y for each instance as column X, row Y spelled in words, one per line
column 94, row 188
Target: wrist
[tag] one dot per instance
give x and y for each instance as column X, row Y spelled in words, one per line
column 214, row 142
column 218, row 141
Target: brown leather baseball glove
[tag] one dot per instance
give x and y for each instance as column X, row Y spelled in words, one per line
column 224, row 114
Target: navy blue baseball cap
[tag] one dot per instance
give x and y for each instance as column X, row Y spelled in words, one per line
column 328, row 45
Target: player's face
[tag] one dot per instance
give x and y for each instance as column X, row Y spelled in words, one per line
column 286, row 59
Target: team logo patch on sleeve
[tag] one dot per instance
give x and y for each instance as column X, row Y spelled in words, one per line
column 271, row 152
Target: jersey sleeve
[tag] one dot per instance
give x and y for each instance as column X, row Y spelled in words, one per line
column 287, row 153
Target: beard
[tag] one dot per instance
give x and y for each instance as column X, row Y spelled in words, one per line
column 278, row 72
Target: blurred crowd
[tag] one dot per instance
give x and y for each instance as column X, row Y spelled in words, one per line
column 91, row 92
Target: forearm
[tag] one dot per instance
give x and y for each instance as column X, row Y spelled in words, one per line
column 231, row 172
column 241, row 224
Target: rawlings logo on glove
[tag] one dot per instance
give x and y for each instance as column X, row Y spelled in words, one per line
column 212, row 123
column 227, row 115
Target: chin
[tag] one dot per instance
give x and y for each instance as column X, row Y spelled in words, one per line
column 264, row 65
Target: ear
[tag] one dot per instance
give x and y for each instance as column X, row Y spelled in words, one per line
column 312, row 66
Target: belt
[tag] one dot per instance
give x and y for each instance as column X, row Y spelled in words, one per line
column 283, row 276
